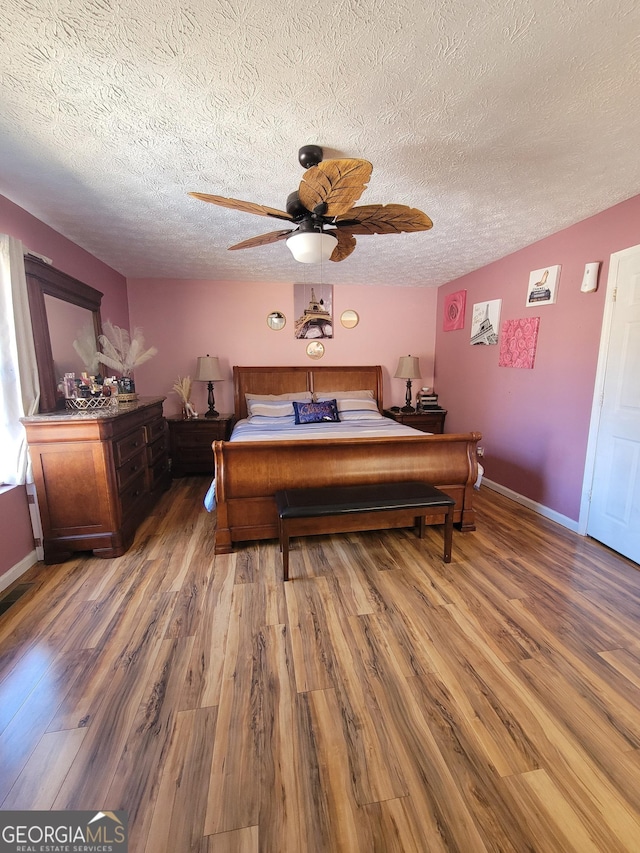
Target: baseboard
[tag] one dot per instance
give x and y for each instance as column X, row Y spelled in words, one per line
column 536, row 507
column 18, row 570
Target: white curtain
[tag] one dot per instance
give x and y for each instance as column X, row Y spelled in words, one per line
column 19, row 385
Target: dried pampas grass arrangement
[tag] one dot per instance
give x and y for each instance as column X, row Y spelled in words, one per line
column 121, row 351
column 183, row 388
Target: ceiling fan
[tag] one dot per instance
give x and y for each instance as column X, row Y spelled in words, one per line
column 322, row 210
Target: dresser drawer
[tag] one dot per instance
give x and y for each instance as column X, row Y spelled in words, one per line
column 154, row 429
column 132, row 494
column 157, row 463
column 157, row 450
column 130, row 469
column 197, row 439
column 195, row 460
column 128, row 446
column 159, row 472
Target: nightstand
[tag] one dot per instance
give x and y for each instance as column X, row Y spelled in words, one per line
column 424, row 421
column 190, row 443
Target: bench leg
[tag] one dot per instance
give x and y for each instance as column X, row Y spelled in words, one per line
column 284, row 547
column 448, row 534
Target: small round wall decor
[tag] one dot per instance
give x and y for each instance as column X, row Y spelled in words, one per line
column 349, row 319
column 315, row 349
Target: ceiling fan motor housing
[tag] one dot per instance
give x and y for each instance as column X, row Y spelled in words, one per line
column 295, row 207
column 310, row 155
column 311, row 224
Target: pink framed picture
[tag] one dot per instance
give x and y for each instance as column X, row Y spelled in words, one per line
column 518, row 343
column 454, row 305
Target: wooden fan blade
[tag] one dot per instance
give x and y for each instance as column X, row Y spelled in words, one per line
column 346, row 245
column 336, row 183
column 244, row 206
column 263, row 239
column 384, row 219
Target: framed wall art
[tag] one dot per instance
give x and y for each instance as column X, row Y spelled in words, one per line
column 543, row 286
column 313, row 306
column 518, row 343
column 454, row 306
column 485, row 323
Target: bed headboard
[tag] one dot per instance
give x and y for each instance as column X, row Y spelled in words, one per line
column 283, row 380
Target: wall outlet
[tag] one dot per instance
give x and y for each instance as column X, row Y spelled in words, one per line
column 480, row 451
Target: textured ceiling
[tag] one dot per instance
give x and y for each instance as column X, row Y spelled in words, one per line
column 503, row 120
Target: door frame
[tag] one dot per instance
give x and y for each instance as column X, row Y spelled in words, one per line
column 598, row 393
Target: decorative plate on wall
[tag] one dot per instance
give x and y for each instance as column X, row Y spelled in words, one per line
column 349, row 319
column 315, row 349
column 276, row 320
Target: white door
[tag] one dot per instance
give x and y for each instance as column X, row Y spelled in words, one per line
column 614, row 513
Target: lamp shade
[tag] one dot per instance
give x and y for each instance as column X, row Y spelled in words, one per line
column 408, row 367
column 208, row 369
column 311, row 247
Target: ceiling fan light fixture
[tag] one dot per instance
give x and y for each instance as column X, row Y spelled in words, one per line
column 311, row 247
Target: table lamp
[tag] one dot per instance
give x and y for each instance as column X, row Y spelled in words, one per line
column 408, row 368
column 208, row 370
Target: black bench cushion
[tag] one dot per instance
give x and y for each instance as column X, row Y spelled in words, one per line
column 337, row 500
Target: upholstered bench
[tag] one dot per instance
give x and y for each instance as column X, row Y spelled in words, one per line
column 304, row 512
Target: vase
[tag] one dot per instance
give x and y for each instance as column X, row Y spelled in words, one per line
column 126, row 390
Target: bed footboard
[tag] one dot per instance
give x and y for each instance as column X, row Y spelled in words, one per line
column 248, row 474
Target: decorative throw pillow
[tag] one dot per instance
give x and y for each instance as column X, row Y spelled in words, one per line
column 315, row 413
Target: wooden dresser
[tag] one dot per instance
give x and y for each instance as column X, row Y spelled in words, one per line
column 190, row 443
column 425, row 421
column 97, row 475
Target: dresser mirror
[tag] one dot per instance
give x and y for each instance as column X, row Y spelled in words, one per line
column 62, row 308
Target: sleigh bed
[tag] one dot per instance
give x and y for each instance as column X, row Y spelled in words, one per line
column 249, row 472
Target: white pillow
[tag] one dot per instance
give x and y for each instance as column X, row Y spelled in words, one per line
column 280, row 422
column 300, row 396
column 270, row 408
column 359, row 415
column 319, row 396
column 274, row 405
column 358, row 409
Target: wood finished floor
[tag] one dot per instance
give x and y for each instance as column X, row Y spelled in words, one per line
column 379, row 701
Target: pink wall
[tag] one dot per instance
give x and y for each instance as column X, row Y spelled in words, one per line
column 66, row 256
column 15, row 527
column 186, row 318
column 535, row 423
column 15, row 524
